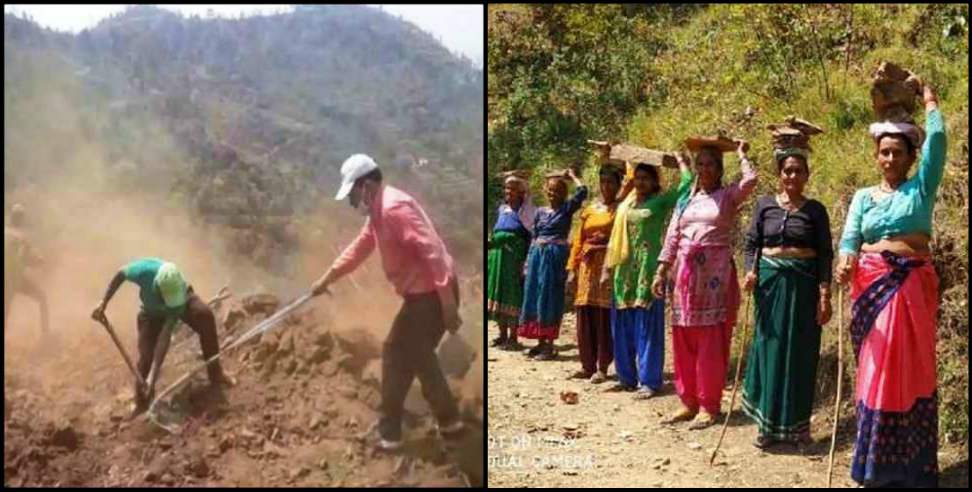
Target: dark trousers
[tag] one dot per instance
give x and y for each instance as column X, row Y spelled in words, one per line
column 409, row 352
column 594, row 338
column 199, row 316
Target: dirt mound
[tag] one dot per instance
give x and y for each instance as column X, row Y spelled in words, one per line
column 306, row 391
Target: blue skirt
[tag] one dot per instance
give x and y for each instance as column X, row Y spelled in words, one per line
column 543, row 291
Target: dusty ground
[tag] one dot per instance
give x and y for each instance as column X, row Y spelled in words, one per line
column 609, row 440
column 305, row 391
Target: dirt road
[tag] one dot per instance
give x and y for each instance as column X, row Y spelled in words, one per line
column 607, row 439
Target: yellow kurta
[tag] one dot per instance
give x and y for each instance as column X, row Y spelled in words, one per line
column 587, row 255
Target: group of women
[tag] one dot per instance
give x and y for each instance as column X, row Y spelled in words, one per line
column 625, row 263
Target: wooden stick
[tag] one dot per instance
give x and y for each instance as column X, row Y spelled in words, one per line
column 121, row 348
column 735, row 384
column 220, row 296
column 840, row 373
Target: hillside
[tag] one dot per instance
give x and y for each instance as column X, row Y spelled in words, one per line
column 244, row 121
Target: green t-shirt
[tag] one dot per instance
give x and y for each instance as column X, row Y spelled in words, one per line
column 142, row 272
column 646, row 228
column 909, row 209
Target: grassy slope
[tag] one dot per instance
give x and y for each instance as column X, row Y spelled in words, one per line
column 843, row 157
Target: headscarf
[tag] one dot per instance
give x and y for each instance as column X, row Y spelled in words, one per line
column 914, row 134
column 780, row 154
column 618, row 248
column 527, row 209
column 171, row 285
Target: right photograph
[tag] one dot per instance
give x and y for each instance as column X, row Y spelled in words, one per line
column 727, row 245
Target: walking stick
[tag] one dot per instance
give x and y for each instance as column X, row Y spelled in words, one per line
column 840, row 371
column 735, row 384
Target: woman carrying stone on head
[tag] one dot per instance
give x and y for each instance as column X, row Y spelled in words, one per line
column 706, row 289
column 592, row 301
column 638, row 317
column 884, row 254
column 507, row 251
column 543, row 290
column 788, row 263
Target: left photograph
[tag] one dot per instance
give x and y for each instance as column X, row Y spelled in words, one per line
column 243, row 245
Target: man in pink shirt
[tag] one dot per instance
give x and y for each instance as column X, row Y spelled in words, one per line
column 417, row 264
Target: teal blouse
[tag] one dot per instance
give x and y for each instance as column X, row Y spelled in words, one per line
column 907, row 210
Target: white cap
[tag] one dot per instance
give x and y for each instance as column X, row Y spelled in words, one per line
column 353, row 168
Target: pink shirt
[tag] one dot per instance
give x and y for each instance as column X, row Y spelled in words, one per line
column 708, row 219
column 413, row 255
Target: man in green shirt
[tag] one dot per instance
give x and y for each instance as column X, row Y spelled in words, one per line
column 166, row 298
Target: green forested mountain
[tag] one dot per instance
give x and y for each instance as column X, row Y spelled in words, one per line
column 246, row 121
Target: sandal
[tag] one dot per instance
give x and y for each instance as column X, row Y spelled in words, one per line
column 580, row 375
column 498, row 342
column 763, row 442
column 598, row 378
column 805, row 438
column 546, row 354
column 682, row 415
column 804, row 441
column 702, row 420
column 620, row 387
column 512, row 345
column 644, row 393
